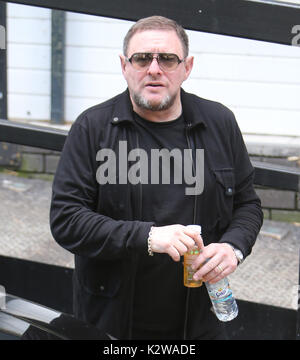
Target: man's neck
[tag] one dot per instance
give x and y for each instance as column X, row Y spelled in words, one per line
column 159, row 116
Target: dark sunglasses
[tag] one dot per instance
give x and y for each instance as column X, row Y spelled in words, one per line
column 166, row 61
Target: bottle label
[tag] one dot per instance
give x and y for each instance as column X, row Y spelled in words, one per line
column 220, row 294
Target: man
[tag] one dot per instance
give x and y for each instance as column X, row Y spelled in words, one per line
column 124, row 215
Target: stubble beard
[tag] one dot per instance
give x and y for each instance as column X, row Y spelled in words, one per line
column 145, row 104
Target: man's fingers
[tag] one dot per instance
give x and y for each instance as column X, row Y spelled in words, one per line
column 180, row 247
column 171, row 239
column 195, row 235
column 210, row 269
column 199, row 241
column 188, row 241
column 214, row 263
column 173, row 253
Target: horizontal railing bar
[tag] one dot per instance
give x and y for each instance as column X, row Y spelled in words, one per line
column 32, row 135
column 276, row 176
column 266, row 21
column 266, row 174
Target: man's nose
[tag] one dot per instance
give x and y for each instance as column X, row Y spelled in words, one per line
column 154, row 66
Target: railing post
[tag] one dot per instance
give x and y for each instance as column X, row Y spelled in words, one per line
column 57, row 66
column 298, row 305
column 3, row 62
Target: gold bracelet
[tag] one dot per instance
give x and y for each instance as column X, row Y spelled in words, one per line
column 150, row 252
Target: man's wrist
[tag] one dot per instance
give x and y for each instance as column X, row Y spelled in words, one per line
column 149, row 240
column 238, row 254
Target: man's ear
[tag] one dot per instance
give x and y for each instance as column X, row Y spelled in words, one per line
column 188, row 63
column 123, row 63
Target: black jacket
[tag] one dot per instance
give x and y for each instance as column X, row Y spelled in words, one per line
column 101, row 224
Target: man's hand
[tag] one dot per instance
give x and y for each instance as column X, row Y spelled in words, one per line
column 174, row 240
column 219, row 260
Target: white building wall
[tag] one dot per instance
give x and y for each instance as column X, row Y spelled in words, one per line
column 93, row 72
column 259, row 81
column 29, row 62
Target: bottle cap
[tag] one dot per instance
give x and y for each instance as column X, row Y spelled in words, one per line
column 195, row 227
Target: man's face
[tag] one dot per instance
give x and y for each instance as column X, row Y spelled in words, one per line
column 152, row 88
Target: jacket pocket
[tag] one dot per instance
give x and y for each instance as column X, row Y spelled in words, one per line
column 101, row 278
column 225, row 189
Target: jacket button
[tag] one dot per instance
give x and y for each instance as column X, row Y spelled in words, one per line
column 229, row 191
column 101, row 288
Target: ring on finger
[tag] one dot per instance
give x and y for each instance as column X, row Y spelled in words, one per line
column 219, row 267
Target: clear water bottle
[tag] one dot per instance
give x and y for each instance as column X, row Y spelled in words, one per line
column 224, row 304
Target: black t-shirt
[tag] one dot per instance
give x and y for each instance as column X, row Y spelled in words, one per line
column 159, row 292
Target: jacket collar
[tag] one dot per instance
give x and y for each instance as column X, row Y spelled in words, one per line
column 192, row 109
column 192, row 112
column 123, row 110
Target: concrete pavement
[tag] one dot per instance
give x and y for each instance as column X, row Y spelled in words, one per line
column 269, row 275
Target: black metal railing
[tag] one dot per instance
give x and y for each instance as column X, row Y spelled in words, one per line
column 269, row 175
column 268, row 21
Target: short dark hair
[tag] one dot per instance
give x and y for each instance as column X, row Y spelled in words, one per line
column 157, row 23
